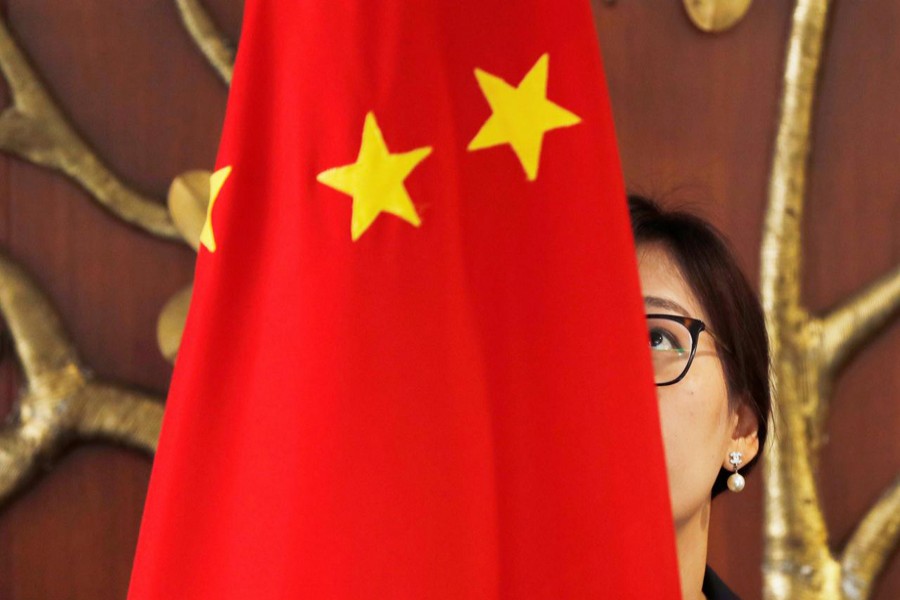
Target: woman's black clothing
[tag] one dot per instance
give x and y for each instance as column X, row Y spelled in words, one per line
column 714, row 588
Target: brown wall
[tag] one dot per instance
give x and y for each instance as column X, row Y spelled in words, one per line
column 695, row 116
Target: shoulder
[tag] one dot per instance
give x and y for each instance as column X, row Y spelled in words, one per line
column 714, row 588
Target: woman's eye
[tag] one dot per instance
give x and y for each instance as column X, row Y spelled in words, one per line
column 661, row 339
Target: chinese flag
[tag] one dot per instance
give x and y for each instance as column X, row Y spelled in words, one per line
column 415, row 364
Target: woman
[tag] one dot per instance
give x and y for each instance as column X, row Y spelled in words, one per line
column 710, row 356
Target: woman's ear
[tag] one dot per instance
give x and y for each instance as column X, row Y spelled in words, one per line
column 744, row 435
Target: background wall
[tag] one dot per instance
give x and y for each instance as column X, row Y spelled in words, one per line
column 695, row 115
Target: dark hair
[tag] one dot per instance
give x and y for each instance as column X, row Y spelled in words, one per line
column 734, row 312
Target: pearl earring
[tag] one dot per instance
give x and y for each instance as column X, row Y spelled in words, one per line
column 736, row 480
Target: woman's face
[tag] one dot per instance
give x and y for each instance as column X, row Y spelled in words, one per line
column 699, row 428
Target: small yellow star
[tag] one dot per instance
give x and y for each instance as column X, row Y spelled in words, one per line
column 521, row 115
column 216, row 181
column 375, row 180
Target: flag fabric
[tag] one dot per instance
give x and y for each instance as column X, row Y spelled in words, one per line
column 415, row 363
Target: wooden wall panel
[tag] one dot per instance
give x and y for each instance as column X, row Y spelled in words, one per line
column 695, row 115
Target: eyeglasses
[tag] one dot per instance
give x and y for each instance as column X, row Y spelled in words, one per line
column 673, row 343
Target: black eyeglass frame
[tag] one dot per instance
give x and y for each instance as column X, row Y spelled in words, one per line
column 694, row 327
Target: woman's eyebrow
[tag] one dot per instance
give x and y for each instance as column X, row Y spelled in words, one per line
column 666, row 304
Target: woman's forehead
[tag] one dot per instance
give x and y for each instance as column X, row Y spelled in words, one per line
column 663, row 285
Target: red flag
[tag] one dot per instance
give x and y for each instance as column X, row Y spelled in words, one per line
column 415, row 364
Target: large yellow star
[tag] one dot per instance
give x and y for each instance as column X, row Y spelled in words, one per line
column 521, row 115
column 216, row 181
column 375, row 180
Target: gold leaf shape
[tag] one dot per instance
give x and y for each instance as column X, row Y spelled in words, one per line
column 716, row 16
column 188, row 199
column 170, row 326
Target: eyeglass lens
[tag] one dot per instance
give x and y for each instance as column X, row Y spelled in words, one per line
column 670, row 348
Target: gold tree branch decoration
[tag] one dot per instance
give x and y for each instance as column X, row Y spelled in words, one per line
column 35, row 129
column 62, row 399
column 851, row 325
column 871, row 544
column 216, row 47
column 807, row 353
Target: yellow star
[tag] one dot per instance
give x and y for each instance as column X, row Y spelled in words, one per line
column 375, row 180
column 216, row 181
column 521, row 115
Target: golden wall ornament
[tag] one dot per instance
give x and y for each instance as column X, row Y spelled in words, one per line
column 35, row 129
column 716, row 16
column 62, row 400
column 188, row 200
column 808, row 352
column 216, row 47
